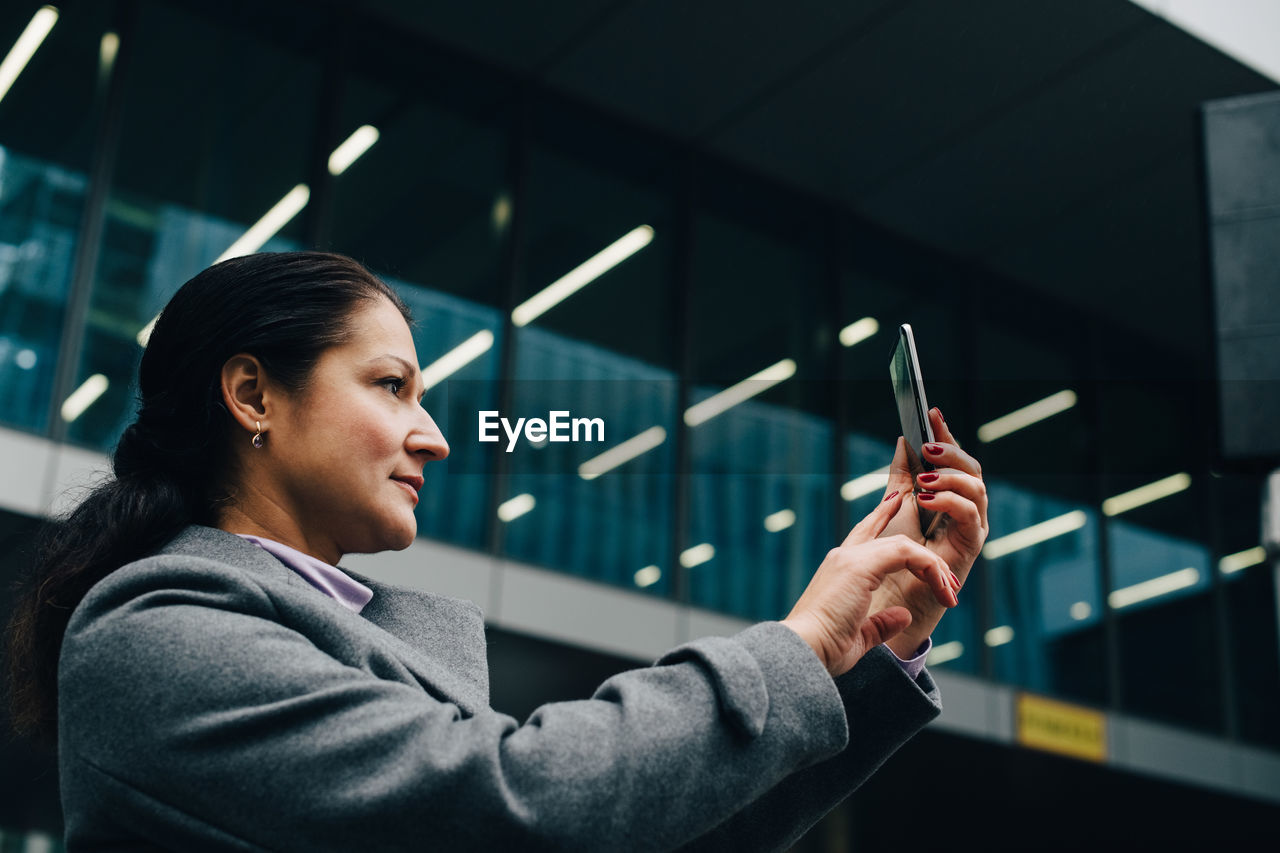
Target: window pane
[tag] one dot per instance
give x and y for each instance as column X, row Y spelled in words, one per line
column 215, row 134
column 1046, row 614
column 761, row 490
column 594, row 339
column 47, row 123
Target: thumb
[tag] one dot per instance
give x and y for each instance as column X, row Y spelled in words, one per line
column 876, row 520
column 884, row 625
column 900, row 477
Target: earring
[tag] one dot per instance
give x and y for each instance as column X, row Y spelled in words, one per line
column 257, row 437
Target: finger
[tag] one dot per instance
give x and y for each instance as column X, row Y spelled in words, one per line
column 899, row 469
column 884, row 625
column 941, row 431
column 943, row 454
column 958, row 508
column 898, row 553
column 954, row 480
column 875, row 521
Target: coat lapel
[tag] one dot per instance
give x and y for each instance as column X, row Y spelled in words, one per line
column 440, row 640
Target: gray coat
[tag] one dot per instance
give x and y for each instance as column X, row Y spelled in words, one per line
column 210, row 699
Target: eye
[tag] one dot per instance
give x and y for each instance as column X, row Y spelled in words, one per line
column 394, row 384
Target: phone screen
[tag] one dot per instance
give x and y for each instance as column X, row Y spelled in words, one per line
column 908, row 389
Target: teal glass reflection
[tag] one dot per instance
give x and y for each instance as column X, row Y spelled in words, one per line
column 1150, row 568
column 1045, row 626
column 49, row 119
column 39, row 213
column 610, row 523
column 760, row 512
column 199, row 165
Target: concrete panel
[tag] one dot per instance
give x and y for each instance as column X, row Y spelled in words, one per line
column 969, row 707
column 25, row 460
column 705, row 623
column 432, row 567
column 557, row 607
column 1171, row 753
column 75, row 473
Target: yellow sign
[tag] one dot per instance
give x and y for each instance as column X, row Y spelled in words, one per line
column 1062, row 728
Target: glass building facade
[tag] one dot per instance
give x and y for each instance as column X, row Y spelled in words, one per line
column 145, row 140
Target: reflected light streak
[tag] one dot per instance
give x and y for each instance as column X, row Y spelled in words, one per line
column 998, row 636
column 859, row 331
column 780, row 520
column 360, row 141
column 512, row 509
column 1026, row 416
column 84, row 397
column 866, row 484
column 108, row 47
column 718, row 404
column 582, row 275
column 1146, row 494
column 1035, row 534
column 622, row 453
column 697, row 555
column 26, row 46
column 457, row 358
column 270, row 224
column 254, row 239
column 944, row 652
column 1153, row 588
column 648, row 576
column 1242, row 560
column 1081, row 610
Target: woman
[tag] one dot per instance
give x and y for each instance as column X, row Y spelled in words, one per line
column 214, row 682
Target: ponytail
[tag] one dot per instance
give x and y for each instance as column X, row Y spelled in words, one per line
column 119, row 522
column 171, row 465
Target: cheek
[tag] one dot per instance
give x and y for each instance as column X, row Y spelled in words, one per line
column 367, row 437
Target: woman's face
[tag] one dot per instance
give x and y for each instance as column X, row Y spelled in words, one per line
column 348, row 451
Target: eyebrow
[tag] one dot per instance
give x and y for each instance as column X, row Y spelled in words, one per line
column 409, row 368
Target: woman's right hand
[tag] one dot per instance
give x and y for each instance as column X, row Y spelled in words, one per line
column 833, row 616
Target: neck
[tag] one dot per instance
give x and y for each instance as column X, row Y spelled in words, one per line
column 268, row 520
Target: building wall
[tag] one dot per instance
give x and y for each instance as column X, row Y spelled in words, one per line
column 145, row 140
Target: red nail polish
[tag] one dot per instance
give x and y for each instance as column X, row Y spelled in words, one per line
column 955, row 581
column 935, row 449
column 925, row 496
column 927, row 477
column 890, row 497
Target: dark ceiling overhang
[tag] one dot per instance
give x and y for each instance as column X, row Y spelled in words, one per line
column 1054, row 144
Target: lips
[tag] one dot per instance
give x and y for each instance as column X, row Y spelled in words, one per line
column 413, row 482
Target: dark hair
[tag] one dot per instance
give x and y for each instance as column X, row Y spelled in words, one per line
column 171, row 464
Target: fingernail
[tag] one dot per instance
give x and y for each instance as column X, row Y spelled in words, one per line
column 890, row 497
column 935, row 449
column 955, row 581
column 925, row 496
column 928, row 478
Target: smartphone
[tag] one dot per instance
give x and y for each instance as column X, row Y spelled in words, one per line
column 913, row 410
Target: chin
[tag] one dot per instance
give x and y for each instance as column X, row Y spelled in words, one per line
column 402, row 536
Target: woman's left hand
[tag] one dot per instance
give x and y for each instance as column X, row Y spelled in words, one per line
column 956, row 490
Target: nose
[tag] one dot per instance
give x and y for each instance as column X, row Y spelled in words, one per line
column 426, row 439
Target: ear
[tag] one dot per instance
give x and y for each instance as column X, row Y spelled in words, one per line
column 244, row 392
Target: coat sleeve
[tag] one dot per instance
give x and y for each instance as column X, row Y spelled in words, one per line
column 191, row 717
column 885, row 708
